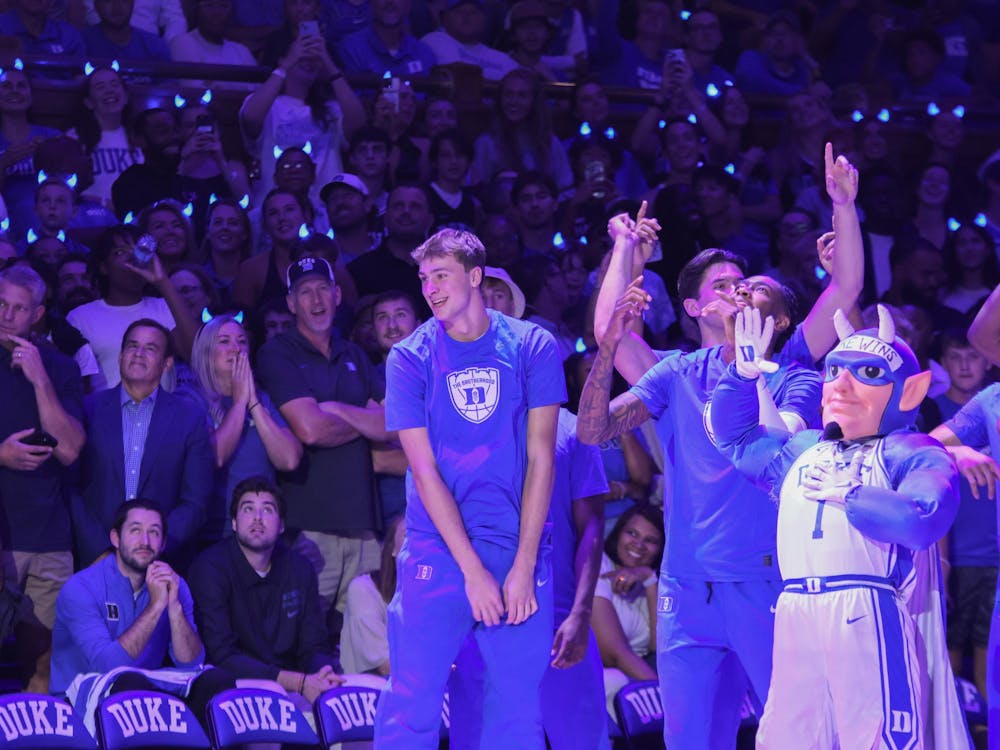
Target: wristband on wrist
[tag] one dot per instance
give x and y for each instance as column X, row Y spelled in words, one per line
column 250, row 408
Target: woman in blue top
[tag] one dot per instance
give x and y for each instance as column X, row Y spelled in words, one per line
column 249, row 435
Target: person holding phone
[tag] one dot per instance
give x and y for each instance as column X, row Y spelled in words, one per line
column 41, row 396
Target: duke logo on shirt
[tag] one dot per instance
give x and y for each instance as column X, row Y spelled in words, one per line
column 424, row 572
column 475, row 392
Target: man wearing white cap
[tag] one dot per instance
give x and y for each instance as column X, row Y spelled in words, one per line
column 501, row 293
column 347, row 209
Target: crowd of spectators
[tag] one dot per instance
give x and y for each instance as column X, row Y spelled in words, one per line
column 200, row 327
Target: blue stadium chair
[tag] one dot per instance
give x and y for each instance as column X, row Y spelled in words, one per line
column 242, row 715
column 640, row 710
column 136, row 719
column 41, row 722
column 346, row 714
column 972, row 702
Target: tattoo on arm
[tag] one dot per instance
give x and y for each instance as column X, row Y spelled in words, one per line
column 597, row 419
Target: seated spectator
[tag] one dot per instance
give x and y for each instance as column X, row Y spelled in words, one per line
column 19, row 139
column 166, row 223
column 566, row 54
column 144, row 442
column 154, row 177
column 721, row 222
column 295, row 172
column 249, row 435
column 123, row 299
column 226, row 245
column 501, row 293
column 275, row 319
column 451, row 203
column 165, row 18
column 781, row 67
column 799, row 153
column 394, row 111
column 640, row 63
column 364, row 643
column 40, row 392
column 534, row 202
column 520, row 137
column 118, row 620
column 389, row 266
column 115, row 38
column 502, row 241
column 385, row 44
column 44, row 253
column 595, row 159
column 347, row 210
column 548, row 300
column 702, row 40
column 929, row 215
column 460, row 39
column 624, row 617
column 207, row 43
column 101, row 130
column 257, row 602
column 55, row 207
column 368, row 158
column 530, row 32
column 296, row 12
column 74, row 284
column 195, row 287
column 881, row 197
column 305, row 100
column 795, row 251
column 971, row 265
column 924, row 78
column 28, row 21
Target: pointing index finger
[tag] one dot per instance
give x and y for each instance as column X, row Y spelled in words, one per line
column 828, row 157
column 641, row 213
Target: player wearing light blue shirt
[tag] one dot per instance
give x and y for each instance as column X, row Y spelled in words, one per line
column 474, row 395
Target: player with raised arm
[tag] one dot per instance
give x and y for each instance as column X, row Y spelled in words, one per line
column 475, row 396
column 857, row 500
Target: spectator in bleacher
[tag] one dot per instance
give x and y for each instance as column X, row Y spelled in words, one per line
column 330, row 395
column 971, row 265
column 165, row 18
column 166, row 223
column 702, row 39
column 385, row 44
column 28, row 21
column 275, row 318
column 144, row 441
column 460, row 39
column 74, row 284
column 131, row 610
column 123, row 299
column 101, row 129
column 40, row 391
column 440, row 115
column 389, row 266
column 19, row 139
column 294, row 172
column 595, row 160
column 929, row 215
column 640, row 63
column 502, row 241
column 534, row 200
column 306, row 99
column 256, row 600
column 530, row 31
column 368, row 158
column 55, row 207
column 115, row 38
column 207, row 43
column 154, row 177
column 520, row 135
column 249, row 436
column 226, row 245
column 364, row 642
column 343, row 17
column 348, row 210
column 451, row 203
column 501, row 293
column 566, row 54
column 195, row 287
column 781, row 66
column 296, row 12
column 945, row 135
column 625, row 605
column 395, row 111
column 924, row 76
column 794, row 251
column 721, row 225
column 262, row 277
column 799, row 151
column 918, row 276
column 545, row 290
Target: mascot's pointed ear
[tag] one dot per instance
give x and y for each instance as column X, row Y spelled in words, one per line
column 914, row 390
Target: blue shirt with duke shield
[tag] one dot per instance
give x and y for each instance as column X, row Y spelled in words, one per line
column 719, row 526
column 473, row 398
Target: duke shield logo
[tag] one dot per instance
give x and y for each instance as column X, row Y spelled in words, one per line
column 475, row 392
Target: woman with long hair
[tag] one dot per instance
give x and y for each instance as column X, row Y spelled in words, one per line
column 970, row 260
column 931, row 201
column 249, row 435
column 228, row 237
column 521, row 137
column 166, row 223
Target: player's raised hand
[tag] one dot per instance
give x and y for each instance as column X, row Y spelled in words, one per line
column 647, row 231
column 752, row 339
column 519, row 594
column 629, row 306
column 484, row 597
column 841, row 178
column 979, row 469
column 621, row 226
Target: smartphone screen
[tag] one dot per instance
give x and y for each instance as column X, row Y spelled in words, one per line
column 309, row 28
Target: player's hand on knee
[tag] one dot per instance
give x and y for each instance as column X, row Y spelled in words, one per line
column 484, row 597
column 519, row 595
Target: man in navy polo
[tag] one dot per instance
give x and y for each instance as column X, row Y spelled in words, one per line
column 330, row 394
column 40, row 35
column 385, row 45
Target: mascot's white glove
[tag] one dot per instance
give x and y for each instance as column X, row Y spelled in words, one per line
column 751, row 340
column 829, row 482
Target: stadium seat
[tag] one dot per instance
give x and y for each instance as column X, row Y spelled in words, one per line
column 144, row 718
column 346, row 714
column 30, row 720
column 242, row 715
column 640, row 710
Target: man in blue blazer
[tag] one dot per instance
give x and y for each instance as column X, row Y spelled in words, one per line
column 143, row 442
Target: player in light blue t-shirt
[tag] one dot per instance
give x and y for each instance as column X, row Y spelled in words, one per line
column 475, row 396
